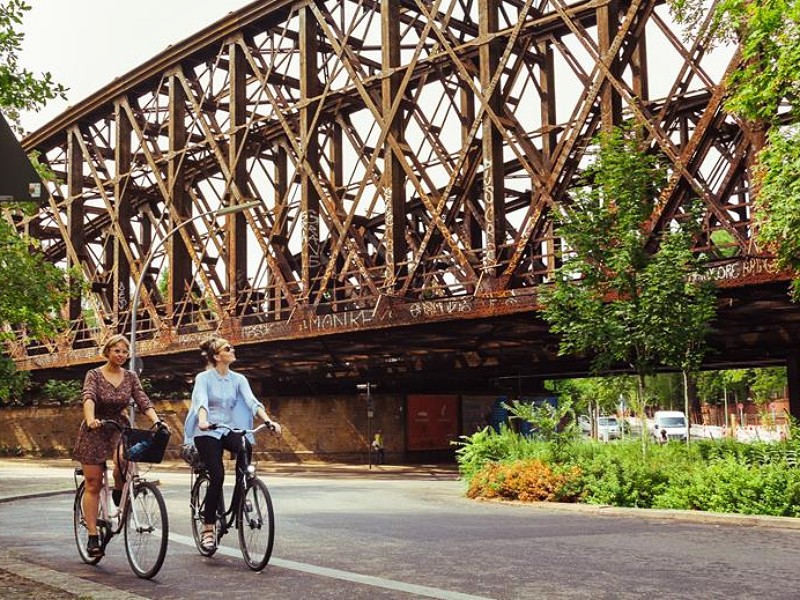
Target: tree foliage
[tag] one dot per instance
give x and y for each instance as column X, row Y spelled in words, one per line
column 765, row 93
column 32, row 290
column 20, row 89
column 621, row 295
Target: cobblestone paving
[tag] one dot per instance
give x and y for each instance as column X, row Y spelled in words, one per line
column 14, row 587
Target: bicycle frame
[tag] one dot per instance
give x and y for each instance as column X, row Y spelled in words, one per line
column 252, row 513
column 227, row 517
column 114, row 519
column 141, row 513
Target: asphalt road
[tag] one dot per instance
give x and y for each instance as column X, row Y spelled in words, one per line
column 377, row 536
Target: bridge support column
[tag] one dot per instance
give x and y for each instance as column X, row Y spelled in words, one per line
column 793, row 377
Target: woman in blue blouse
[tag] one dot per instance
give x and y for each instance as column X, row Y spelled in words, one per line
column 222, row 397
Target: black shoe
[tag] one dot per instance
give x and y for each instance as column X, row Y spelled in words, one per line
column 93, row 548
column 116, row 496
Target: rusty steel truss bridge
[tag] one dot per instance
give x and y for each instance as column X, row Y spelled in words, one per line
column 405, row 157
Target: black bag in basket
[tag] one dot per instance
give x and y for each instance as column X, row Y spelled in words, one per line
column 145, row 445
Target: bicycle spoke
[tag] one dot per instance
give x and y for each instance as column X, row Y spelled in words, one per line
column 256, row 524
column 197, row 506
column 79, row 525
column 146, row 530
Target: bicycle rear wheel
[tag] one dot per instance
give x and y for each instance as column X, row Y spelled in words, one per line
column 256, row 524
column 79, row 524
column 146, row 530
column 197, row 507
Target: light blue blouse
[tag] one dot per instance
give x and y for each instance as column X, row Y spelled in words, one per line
column 228, row 401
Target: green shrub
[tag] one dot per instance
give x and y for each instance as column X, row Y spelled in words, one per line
column 732, row 487
column 526, row 480
column 64, row 392
column 487, row 446
column 709, row 475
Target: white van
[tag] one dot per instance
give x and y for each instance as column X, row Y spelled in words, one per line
column 669, row 425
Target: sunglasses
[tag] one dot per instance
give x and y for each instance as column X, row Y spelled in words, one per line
column 226, row 348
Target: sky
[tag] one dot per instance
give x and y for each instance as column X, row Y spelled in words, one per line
column 85, row 44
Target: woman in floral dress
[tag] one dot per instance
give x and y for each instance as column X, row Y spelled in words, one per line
column 106, row 392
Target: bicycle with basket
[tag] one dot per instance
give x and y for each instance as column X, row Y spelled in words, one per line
column 141, row 515
column 253, row 514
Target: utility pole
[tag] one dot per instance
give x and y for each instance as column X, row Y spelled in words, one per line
column 367, row 387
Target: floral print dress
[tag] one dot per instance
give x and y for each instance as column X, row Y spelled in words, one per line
column 95, row 446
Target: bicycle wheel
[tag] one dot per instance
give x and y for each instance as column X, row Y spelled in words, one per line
column 197, row 506
column 146, row 530
column 79, row 524
column 256, row 523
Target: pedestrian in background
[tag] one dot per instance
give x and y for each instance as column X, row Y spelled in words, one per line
column 377, row 448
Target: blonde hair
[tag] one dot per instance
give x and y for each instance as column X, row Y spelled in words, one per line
column 113, row 341
column 211, row 347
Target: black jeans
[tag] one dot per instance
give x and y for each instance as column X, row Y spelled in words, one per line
column 210, row 450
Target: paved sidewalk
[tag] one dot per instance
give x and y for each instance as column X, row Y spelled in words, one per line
column 32, row 477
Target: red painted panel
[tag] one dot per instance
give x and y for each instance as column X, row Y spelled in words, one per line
column 432, row 422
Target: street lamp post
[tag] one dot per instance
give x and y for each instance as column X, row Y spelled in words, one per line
column 227, row 210
column 367, row 387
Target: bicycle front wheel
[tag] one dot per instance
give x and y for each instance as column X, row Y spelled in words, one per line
column 256, row 524
column 79, row 524
column 146, row 530
column 197, row 505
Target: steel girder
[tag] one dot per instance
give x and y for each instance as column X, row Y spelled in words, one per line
column 406, row 156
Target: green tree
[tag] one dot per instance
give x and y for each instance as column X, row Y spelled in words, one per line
column 767, row 383
column 32, row 290
column 617, row 294
column 671, row 277
column 765, row 93
column 20, row 89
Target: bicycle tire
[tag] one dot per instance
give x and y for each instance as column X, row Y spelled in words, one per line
column 146, row 530
column 255, row 521
column 79, row 525
column 197, row 506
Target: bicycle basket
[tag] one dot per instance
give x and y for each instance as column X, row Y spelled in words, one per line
column 191, row 456
column 145, row 445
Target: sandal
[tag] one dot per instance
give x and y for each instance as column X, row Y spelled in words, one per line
column 93, row 548
column 208, row 540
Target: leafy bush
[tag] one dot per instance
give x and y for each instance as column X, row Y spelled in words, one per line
column 710, row 475
column 527, row 480
column 729, row 486
column 487, row 446
column 64, row 392
column 13, row 383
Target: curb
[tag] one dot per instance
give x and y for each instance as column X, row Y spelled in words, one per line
column 44, row 494
column 684, row 516
column 63, row 581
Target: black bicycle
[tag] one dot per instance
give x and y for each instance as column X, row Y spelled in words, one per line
column 142, row 515
column 252, row 516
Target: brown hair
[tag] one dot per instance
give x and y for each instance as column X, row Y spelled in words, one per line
column 210, row 348
column 113, row 341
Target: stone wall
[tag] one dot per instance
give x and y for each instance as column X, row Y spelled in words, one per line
column 333, row 428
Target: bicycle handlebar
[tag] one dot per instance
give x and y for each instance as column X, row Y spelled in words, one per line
column 270, row 426
column 107, row 422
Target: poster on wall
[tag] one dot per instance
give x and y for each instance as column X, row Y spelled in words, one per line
column 432, row 422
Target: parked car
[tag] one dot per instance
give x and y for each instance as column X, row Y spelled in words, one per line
column 669, row 425
column 585, row 425
column 608, row 428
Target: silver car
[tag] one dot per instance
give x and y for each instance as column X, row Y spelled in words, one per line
column 608, row 428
